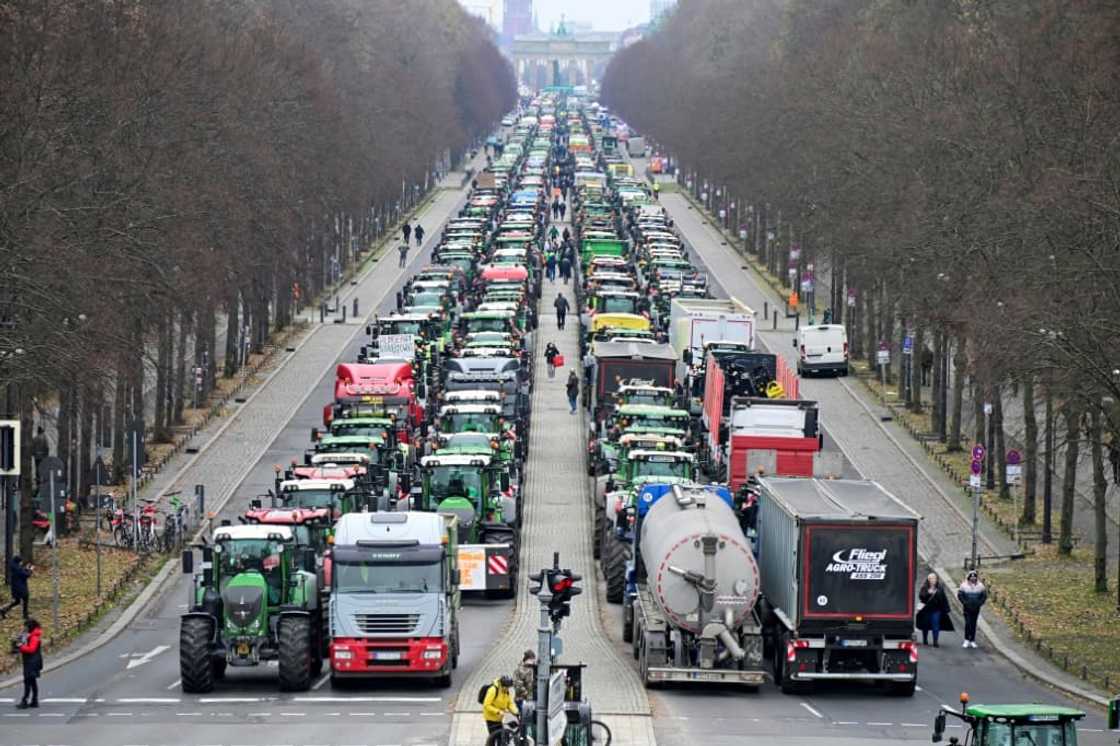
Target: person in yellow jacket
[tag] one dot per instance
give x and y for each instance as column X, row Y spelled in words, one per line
column 499, row 700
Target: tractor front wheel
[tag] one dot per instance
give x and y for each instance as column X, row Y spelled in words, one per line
column 195, row 668
column 294, row 638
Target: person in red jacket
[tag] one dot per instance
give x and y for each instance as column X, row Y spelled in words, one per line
column 31, row 651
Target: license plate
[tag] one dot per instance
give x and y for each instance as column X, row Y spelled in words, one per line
column 372, row 399
column 388, row 656
column 243, row 649
column 853, row 643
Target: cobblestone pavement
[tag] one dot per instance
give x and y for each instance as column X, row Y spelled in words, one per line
column 878, row 450
column 557, row 519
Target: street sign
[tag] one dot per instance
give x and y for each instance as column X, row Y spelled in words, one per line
column 974, row 481
column 976, row 467
column 557, row 718
column 987, row 407
column 9, row 448
column 978, row 452
column 884, row 357
column 1014, row 457
column 851, row 298
column 1014, row 473
column 907, row 345
column 396, row 346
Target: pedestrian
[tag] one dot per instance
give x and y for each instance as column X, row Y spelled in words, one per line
column 524, row 678
column 419, row 233
column 403, row 249
column 927, row 365
column 656, row 191
column 563, row 208
column 30, row 647
column 572, row 389
column 555, row 209
column 550, row 353
column 19, row 573
column 972, row 595
column 550, row 266
column 567, row 235
column 933, row 617
column 827, row 316
column 553, row 232
column 406, row 230
column 40, row 449
column 562, row 306
column 400, row 301
column 497, row 702
column 565, row 268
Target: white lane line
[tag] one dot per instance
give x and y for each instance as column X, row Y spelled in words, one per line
column 219, row 700
column 18, row 715
column 188, row 714
column 914, row 725
column 175, row 684
column 293, row 714
column 147, row 701
column 432, row 714
column 321, row 681
column 367, row 699
column 119, row 714
column 52, row 714
column 398, row 714
column 845, row 722
column 259, row 714
column 809, row 707
column 881, row 725
column 363, row 714
column 64, row 700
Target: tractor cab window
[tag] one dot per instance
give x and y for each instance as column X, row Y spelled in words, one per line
column 455, row 481
column 308, row 499
column 478, row 422
column 256, row 555
column 1029, row 734
column 663, row 467
column 617, row 304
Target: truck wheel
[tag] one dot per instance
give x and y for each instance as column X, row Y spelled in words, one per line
column 627, row 621
column 597, row 539
column 294, row 636
column 616, row 554
column 195, row 669
column 443, row 681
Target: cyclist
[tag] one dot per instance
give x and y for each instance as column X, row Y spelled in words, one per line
column 499, row 700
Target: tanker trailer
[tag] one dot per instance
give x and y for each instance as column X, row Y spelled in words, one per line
column 696, row 584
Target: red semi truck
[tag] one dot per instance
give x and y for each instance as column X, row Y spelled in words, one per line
column 383, row 388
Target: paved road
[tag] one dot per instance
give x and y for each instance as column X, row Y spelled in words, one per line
column 128, row 691
column 723, row 716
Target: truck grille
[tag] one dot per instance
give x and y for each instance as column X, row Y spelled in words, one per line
column 387, row 624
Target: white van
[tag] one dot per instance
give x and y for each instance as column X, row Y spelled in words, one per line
column 821, row 348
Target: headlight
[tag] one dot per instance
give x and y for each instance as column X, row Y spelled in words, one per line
column 433, row 654
column 343, row 655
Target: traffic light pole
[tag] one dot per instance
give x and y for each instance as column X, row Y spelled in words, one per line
column 544, row 663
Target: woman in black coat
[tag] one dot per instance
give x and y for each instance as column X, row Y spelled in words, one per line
column 933, row 617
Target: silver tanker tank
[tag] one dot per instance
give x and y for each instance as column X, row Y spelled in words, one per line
column 699, row 565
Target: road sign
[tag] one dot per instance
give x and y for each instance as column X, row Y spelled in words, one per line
column 977, row 466
column 978, row 452
column 1014, row 473
column 557, row 718
column 1014, row 458
column 907, row 345
column 9, row 448
column 988, row 407
column 396, row 346
column 884, row 357
column 851, row 298
column 974, row 481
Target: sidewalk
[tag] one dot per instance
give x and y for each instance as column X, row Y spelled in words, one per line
column 879, row 450
column 557, row 518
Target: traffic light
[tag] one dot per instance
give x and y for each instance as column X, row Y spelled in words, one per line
column 562, row 584
column 9, row 448
column 535, row 580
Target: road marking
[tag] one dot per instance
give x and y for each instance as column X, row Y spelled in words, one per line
column 398, row 714
column 367, row 699
column 188, row 714
column 845, row 722
column 18, row 715
column 914, row 725
column 52, row 714
column 148, row 701
column 879, row 724
column 119, row 714
column 293, row 714
column 432, row 714
column 809, row 707
column 139, row 659
column 321, row 681
column 176, row 684
column 239, row 700
column 65, row 700
column 259, row 714
column 363, row 714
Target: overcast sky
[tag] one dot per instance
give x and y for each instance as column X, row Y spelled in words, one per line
column 604, row 15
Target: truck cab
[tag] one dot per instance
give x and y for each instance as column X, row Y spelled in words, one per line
column 394, row 608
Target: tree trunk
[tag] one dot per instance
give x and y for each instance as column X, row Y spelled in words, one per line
column 66, row 406
column 1000, row 444
column 180, row 368
column 91, row 404
column 937, row 414
column 872, row 325
column 27, row 487
column 1100, row 517
column 232, row 328
column 119, row 406
column 916, row 367
column 954, row 440
column 1030, row 455
column 162, row 337
column 1072, row 413
column 211, row 350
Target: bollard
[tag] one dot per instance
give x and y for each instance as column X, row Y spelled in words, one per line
column 765, row 310
column 322, row 312
column 344, row 314
column 355, row 308
column 775, row 318
column 337, row 303
column 797, row 321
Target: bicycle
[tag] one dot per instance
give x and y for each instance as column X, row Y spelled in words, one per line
column 512, row 734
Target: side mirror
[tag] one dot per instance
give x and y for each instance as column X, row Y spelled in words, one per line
column 188, row 562
column 938, row 728
column 504, row 480
column 456, row 577
column 255, row 503
column 422, row 391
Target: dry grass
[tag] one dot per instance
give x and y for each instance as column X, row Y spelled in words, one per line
column 79, row 605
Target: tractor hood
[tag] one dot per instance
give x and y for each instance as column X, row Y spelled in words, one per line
column 245, row 600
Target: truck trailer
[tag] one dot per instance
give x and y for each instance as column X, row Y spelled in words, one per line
column 694, row 322
column 394, row 605
column 839, row 559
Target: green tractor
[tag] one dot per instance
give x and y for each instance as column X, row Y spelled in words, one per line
column 256, row 599
column 999, row 725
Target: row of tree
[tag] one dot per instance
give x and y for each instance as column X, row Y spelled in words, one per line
column 171, row 167
column 954, row 163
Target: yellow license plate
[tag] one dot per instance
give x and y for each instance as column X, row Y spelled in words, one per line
column 243, row 649
column 372, row 399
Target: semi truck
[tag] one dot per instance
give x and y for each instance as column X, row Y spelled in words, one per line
column 839, row 558
column 693, row 322
column 690, row 610
column 394, row 608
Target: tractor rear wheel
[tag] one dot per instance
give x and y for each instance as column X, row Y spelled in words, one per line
column 195, row 669
column 293, row 634
column 615, row 555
